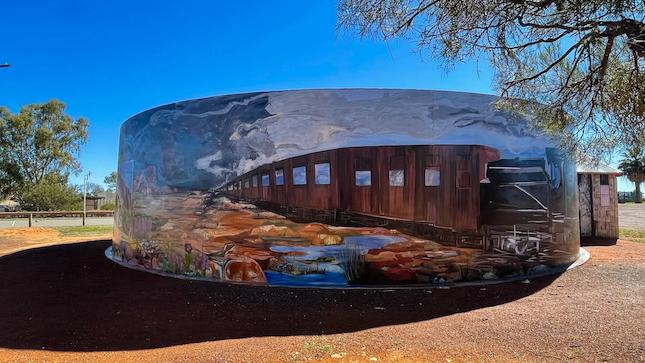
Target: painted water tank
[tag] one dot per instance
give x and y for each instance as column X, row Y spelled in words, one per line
column 343, row 187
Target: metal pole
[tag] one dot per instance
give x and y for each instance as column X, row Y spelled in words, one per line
column 85, row 179
column 31, row 218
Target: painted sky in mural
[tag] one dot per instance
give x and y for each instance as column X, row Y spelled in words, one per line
column 209, row 141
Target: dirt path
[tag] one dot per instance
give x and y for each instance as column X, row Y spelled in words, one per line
column 68, row 303
column 18, row 239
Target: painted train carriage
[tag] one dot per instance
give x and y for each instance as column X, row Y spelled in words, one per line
column 460, row 195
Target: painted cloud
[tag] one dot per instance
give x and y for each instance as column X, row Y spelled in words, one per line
column 206, row 142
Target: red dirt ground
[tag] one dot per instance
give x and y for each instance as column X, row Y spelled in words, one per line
column 18, row 239
column 68, row 303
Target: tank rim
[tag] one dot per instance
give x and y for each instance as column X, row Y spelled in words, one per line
column 290, row 90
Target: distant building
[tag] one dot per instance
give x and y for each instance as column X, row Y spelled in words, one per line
column 94, row 202
column 9, row 205
column 598, row 200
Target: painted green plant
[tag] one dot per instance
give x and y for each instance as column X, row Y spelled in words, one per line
column 352, row 262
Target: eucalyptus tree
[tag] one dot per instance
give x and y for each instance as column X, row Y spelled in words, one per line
column 38, row 142
column 575, row 66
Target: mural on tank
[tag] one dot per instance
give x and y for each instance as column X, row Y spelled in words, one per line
column 342, row 187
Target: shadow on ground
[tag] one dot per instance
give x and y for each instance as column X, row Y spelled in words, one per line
column 71, row 298
column 597, row 241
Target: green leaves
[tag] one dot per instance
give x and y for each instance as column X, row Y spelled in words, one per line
column 38, row 141
column 110, row 181
column 52, row 192
column 576, row 67
column 633, row 166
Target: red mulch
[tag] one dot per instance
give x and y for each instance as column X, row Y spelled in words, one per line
column 71, row 298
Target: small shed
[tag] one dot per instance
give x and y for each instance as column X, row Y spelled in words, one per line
column 598, row 201
column 93, row 202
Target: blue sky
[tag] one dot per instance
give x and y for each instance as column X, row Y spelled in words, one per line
column 110, row 60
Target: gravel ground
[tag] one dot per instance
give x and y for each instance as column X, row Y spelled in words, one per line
column 631, row 215
column 68, row 303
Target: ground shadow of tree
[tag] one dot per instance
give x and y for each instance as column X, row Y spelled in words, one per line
column 71, row 298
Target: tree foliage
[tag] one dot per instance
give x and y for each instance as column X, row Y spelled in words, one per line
column 51, row 192
column 110, row 182
column 575, row 66
column 108, row 206
column 94, row 189
column 39, row 141
column 633, row 166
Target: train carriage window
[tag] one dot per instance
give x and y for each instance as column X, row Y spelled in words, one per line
column 432, row 176
column 322, row 174
column 300, row 175
column 254, row 181
column 397, row 173
column 397, row 178
column 265, row 180
column 604, row 179
column 363, row 177
column 363, row 171
column 247, row 183
column 279, row 177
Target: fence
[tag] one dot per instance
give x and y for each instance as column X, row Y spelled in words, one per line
column 56, row 214
column 627, row 197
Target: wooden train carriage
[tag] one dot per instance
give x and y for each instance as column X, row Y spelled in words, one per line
column 435, row 185
column 311, row 182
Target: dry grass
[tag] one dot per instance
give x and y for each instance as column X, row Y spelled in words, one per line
column 634, row 235
column 84, row 231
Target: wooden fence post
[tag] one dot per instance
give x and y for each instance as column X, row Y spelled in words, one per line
column 31, row 218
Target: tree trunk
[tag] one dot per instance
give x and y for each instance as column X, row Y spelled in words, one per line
column 637, row 193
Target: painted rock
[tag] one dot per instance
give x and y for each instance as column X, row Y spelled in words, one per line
column 244, row 269
column 398, row 274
